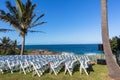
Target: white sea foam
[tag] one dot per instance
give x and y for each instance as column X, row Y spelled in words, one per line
column 67, row 53
column 90, row 53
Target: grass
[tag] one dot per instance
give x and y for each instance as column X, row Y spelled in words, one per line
column 100, row 73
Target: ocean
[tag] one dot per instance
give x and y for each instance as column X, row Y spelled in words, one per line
column 68, row 48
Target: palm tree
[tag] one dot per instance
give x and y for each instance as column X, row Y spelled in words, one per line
column 5, row 44
column 5, row 41
column 14, row 44
column 113, row 68
column 22, row 18
column 8, row 46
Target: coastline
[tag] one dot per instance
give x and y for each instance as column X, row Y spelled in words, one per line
column 67, row 49
column 43, row 52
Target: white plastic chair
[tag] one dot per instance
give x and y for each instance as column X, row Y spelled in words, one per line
column 2, row 66
column 12, row 65
column 69, row 66
column 37, row 68
column 24, row 67
column 56, row 66
column 84, row 64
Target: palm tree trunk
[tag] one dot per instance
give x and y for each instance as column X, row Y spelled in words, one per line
column 113, row 68
column 23, row 43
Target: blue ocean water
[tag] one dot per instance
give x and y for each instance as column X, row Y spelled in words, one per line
column 68, row 48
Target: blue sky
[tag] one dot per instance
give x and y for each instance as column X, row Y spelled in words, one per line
column 69, row 22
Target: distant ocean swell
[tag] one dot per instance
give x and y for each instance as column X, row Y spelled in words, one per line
column 68, row 48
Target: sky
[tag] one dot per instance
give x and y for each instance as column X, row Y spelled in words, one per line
column 69, row 22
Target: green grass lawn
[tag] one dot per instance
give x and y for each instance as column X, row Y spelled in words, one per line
column 100, row 73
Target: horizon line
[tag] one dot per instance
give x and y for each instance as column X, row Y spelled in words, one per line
column 64, row 44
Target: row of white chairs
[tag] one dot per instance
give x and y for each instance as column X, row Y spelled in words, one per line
column 38, row 64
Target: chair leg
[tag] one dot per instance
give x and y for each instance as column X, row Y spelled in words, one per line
column 24, row 71
column 70, row 72
column 1, row 71
column 11, row 71
column 37, row 72
column 81, row 67
column 65, row 71
column 80, row 70
column 54, row 72
column 85, row 71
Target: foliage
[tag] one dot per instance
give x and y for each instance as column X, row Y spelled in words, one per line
column 22, row 17
column 8, row 46
column 115, row 44
column 27, row 51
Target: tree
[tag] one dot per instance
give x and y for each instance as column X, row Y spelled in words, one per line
column 8, row 46
column 22, row 18
column 115, row 44
column 113, row 68
column 5, row 43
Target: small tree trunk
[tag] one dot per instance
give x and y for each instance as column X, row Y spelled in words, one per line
column 113, row 68
column 23, row 43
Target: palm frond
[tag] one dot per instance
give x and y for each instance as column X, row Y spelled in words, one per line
column 38, row 18
column 2, row 12
column 35, row 31
column 28, row 15
column 32, row 9
column 5, row 30
column 13, row 10
column 11, row 20
column 20, row 6
column 28, row 4
column 34, row 25
column 10, row 7
column 32, row 17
